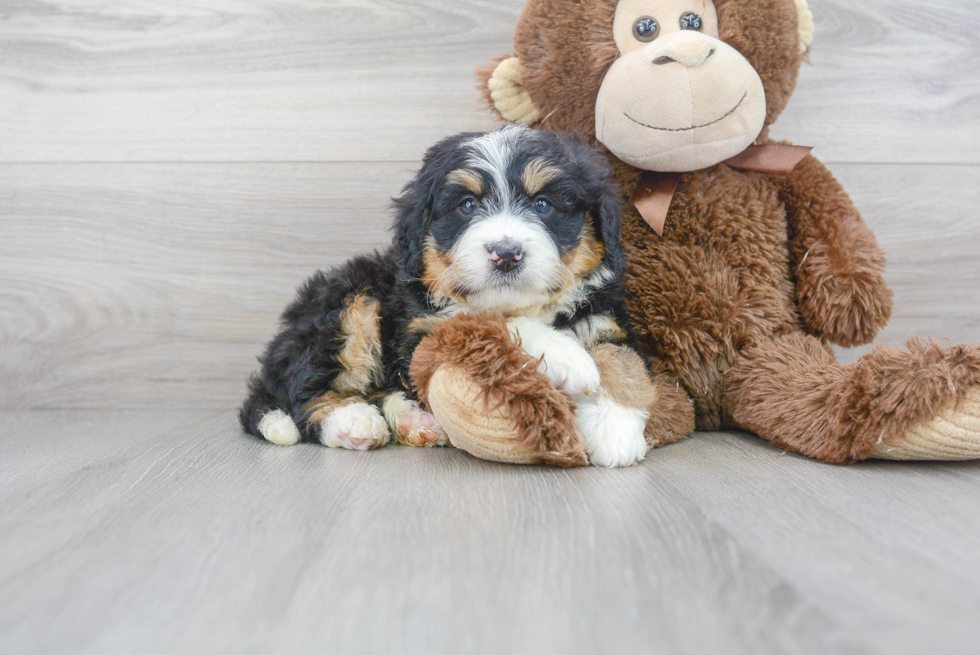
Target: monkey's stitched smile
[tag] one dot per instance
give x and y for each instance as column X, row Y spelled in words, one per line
column 693, row 127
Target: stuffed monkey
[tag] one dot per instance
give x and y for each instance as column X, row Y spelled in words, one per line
column 744, row 261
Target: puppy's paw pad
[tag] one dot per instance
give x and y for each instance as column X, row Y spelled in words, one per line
column 354, row 427
column 420, row 429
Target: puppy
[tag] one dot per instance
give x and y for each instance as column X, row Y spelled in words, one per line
column 518, row 221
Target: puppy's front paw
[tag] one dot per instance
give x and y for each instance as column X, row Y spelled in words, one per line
column 566, row 363
column 355, row 427
column 571, row 370
column 418, row 428
column 412, row 425
column 613, row 434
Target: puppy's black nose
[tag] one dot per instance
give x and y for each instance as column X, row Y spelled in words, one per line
column 506, row 257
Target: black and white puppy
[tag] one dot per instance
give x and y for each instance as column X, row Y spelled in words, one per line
column 518, row 221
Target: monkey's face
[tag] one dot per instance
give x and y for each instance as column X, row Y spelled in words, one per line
column 678, row 98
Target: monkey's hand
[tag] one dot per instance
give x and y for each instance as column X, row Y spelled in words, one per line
column 838, row 266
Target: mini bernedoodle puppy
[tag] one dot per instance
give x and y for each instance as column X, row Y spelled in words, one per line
column 518, row 221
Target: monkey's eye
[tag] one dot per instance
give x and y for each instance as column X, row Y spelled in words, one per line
column 468, row 207
column 691, row 21
column 542, row 207
column 646, row 29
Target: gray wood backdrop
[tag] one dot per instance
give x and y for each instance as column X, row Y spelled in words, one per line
column 170, row 170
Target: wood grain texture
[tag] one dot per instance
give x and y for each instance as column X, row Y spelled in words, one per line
column 360, row 80
column 168, row 532
column 156, row 285
column 890, row 81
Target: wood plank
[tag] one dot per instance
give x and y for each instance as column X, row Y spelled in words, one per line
column 156, row 285
column 146, row 285
column 170, row 532
column 854, row 540
column 291, row 80
column 243, row 80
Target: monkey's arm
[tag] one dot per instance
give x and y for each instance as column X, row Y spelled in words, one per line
column 838, row 266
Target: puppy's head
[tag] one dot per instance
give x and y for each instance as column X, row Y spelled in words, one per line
column 508, row 220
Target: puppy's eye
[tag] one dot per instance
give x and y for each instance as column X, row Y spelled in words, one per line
column 646, row 29
column 542, row 207
column 691, row 21
column 468, row 207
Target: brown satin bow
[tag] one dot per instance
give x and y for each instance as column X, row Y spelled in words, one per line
column 655, row 191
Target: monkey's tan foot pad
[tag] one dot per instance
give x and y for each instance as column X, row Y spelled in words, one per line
column 489, row 396
column 418, row 428
column 953, row 435
column 498, row 434
column 490, row 435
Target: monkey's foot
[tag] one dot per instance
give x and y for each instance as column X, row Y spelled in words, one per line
column 952, row 435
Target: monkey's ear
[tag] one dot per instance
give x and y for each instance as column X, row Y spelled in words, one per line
column 504, row 89
column 805, row 23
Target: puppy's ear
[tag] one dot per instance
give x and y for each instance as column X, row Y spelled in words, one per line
column 595, row 175
column 607, row 215
column 413, row 215
column 413, row 208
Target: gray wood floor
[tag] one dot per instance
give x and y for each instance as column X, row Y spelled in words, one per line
column 169, row 532
column 171, row 169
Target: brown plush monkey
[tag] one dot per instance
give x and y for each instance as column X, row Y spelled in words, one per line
column 755, row 273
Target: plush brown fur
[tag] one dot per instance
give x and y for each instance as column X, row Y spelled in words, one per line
column 753, row 274
column 840, row 291
column 672, row 419
column 481, row 346
column 792, row 392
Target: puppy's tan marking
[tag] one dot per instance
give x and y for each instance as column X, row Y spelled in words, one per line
column 318, row 409
column 435, row 272
column 586, row 257
column 360, row 356
column 537, row 174
column 425, row 324
column 624, row 377
column 598, row 329
column 468, row 179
